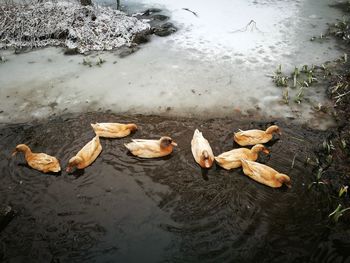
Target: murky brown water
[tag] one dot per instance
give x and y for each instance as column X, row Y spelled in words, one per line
column 125, row 209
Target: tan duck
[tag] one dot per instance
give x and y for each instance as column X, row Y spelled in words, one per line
column 201, row 150
column 252, row 137
column 86, row 156
column 151, row 148
column 232, row 159
column 113, row 130
column 38, row 161
column 264, row 174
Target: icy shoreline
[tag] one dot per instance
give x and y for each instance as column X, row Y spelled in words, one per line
column 84, row 28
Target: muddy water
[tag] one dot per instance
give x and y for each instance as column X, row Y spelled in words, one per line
column 125, row 209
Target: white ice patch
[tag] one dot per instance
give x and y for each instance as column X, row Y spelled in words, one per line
column 201, row 70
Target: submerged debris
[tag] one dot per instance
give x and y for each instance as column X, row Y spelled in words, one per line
column 81, row 28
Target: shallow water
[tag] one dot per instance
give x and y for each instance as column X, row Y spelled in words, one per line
column 126, row 209
column 210, row 67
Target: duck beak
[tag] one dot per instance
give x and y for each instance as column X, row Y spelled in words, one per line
column 68, row 169
column 266, row 151
column 14, row 153
column 173, row 143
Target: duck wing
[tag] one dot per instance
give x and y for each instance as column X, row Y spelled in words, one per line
column 111, row 130
column 144, row 148
column 90, row 149
column 235, row 154
column 250, row 137
column 44, row 162
column 259, row 172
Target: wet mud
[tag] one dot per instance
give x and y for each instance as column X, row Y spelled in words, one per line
column 126, row 209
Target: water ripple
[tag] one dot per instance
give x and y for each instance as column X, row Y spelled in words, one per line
column 122, row 205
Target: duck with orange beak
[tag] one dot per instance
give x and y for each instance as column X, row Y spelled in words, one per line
column 232, row 159
column 252, row 137
column 38, row 161
column 86, row 156
column 151, row 148
column 265, row 174
column 201, row 150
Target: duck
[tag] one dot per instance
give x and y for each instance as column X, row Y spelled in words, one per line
column 201, row 150
column 113, row 130
column 231, row 159
column 38, row 161
column 86, row 156
column 252, row 137
column 265, row 174
column 151, row 148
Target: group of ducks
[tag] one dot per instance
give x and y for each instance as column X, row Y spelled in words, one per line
column 200, row 146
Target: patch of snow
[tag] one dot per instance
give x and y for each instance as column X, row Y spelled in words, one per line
column 67, row 24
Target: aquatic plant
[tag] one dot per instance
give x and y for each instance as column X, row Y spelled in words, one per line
column 343, row 190
column 100, row 61
column 295, row 76
column 318, row 181
column 340, row 29
column 3, row 59
column 343, row 143
column 279, row 78
column 328, row 146
column 300, row 95
column 285, row 96
column 337, row 213
column 87, row 62
column 300, row 79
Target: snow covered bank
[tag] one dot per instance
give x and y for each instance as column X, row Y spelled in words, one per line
column 68, row 24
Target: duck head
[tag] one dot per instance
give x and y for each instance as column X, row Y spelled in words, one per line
column 73, row 162
column 165, row 142
column 21, row 148
column 273, row 129
column 260, row 148
column 284, row 179
column 132, row 127
column 206, row 162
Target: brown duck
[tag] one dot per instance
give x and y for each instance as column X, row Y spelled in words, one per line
column 38, row 161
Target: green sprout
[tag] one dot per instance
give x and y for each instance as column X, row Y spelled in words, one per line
column 343, row 143
column 3, row 59
column 279, row 69
column 328, row 146
column 295, row 76
column 100, row 62
column 343, row 190
column 87, row 62
column 318, row 179
column 338, row 212
column 310, row 77
column 299, row 97
column 304, row 69
column 285, row 96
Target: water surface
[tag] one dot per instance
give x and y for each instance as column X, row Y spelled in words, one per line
column 126, row 209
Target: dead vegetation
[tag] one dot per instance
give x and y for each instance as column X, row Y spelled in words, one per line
column 38, row 24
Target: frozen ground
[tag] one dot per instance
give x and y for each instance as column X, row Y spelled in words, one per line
column 210, row 67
